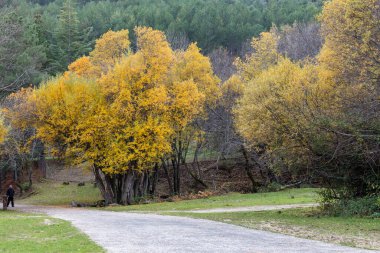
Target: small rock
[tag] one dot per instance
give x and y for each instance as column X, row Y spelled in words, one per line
column 101, row 203
column 48, row 222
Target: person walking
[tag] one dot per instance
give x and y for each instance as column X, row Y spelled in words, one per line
column 10, row 195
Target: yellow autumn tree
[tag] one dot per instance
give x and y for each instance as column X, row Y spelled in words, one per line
column 350, row 59
column 137, row 105
column 351, row 49
column 322, row 115
column 121, row 110
column 21, row 146
column 350, row 62
column 3, row 131
column 65, row 107
column 109, row 49
column 193, row 87
column 264, row 55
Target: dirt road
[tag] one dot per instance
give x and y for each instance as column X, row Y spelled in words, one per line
column 137, row 232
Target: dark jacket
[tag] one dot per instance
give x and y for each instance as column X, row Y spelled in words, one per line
column 10, row 192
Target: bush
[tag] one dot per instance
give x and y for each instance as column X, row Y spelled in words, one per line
column 25, row 186
column 366, row 206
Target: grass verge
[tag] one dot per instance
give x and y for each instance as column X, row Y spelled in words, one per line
column 20, row 232
column 290, row 196
column 304, row 223
column 55, row 193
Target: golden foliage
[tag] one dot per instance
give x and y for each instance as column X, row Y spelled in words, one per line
column 109, row 48
column 306, row 108
column 3, row 131
column 18, row 109
column 120, row 109
column 81, row 66
column 264, row 55
column 192, row 65
column 18, row 115
column 279, row 103
column 350, row 57
column 68, row 113
column 108, row 51
column 352, row 35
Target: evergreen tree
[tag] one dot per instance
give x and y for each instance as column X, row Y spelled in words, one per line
column 22, row 56
column 69, row 40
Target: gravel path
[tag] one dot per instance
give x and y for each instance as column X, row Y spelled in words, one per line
column 131, row 232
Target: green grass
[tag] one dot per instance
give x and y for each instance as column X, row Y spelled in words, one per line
column 305, row 223
column 20, row 232
column 290, row 196
column 55, row 193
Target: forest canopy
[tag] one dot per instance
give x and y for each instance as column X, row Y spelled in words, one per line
column 42, row 38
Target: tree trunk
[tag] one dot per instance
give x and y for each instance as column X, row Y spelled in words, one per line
column 123, row 188
column 176, row 177
column 248, row 169
column 30, row 172
column 14, row 168
column 42, row 160
column 128, row 193
column 197, row 179
column 166, row 170
column 1, row 179
column 153, row 181
column 109, row 186
column 99, row 183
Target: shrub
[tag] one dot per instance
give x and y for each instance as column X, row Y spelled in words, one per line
column 25, row 186
column 366, row 206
